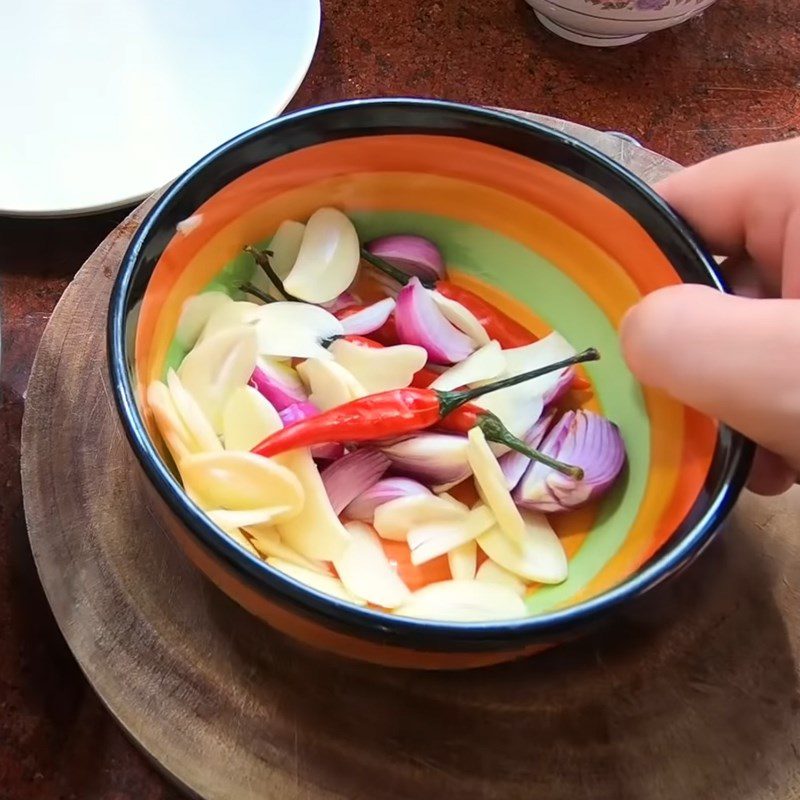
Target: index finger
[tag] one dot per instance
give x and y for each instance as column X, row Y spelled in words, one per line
column 740, row 202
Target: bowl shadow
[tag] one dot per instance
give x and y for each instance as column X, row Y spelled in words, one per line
column 691, row 694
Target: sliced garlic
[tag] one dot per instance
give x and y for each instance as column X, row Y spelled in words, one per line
column 195, row 314
column 295, row 330
column 227, row 519
column 552, row 348
column 394, row 519
column 433, row 539
column 326, row 584
column 236, row 314
column 365, row 571
column 463, row 561
column 329, row 383
column 380, row 369
column 172, row 428
column 463, row 601
column 215, row 367
column 540, row 558
column 491, row 485
column 267, row 541
column 285, row 247
column 316, row 531
column 491, row 572
column 328, row 258
column 196, row 422
column 242, row 482
column 484, row 364
column 462, row 318
column 247, row 419
column 242, row 541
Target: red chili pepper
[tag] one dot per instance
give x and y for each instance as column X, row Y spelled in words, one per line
column 387, row 333
column 498, row 325
column 362, row 341
column 344, row 313
column 398, row 412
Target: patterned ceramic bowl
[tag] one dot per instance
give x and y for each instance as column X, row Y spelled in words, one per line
column 549, row 230
column 609, row 23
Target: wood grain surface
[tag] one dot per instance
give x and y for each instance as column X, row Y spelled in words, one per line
column 693, row 696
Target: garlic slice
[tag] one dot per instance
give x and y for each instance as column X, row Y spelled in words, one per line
column 316, row 531
column 329, row 383
column 433, row 539
column 460, row 316
column 236, row 314
column 242, row 541
column 328, row 258
column 485, row 363
column 295, row 330
column 267, row 541
column 491, row 572
column 365, row 571
column 215, row 367
column 380, row 369
column 196, row 422
column 285, row 246
column 393, row 520
column 326, row 584
column 491, row 485
column 541, row 557
column 463, row 601
column 463, row 561
column 195, row 314
column 172, row 428
column 553, row 347
column 227, row 519
column 242, row 482
column 247, row 419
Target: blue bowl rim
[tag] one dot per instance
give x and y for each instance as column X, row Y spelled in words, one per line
column 364, row 622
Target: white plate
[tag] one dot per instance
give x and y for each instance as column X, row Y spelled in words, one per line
column 103, row 101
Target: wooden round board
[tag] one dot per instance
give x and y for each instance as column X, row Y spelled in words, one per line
column 693, row 697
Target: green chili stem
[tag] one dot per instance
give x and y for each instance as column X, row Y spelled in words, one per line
column 262, row 259
column 450, row 401
column 391, row 270
column 249, row 288
column 495, row 431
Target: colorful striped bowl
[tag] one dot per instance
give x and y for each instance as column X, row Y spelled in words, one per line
column 548, row 229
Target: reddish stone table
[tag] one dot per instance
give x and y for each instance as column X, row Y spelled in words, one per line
column 729, row 79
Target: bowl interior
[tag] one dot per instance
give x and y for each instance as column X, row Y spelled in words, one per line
column 551, row 238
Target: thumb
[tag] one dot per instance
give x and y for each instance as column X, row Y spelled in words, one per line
column 732, row 358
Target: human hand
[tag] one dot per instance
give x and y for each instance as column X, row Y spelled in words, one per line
column 735, row 358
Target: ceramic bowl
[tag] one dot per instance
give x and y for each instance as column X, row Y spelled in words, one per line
column 609, row 23
column 553, row 232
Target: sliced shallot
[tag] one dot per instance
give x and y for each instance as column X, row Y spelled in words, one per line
column 419, row 321
column 363, row 507
column 585, row 439
column 414, row 255
column 352, row 474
